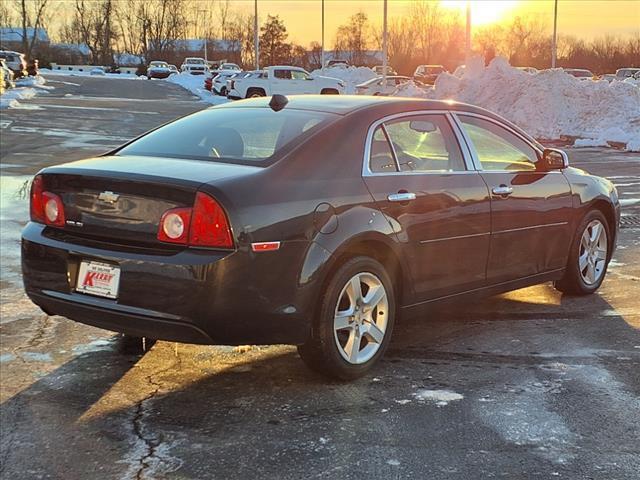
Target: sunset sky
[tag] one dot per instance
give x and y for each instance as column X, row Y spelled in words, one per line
column 582, row 18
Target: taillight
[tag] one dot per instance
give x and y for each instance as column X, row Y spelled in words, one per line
column 36, row 207
column 45, row 207
column 204, row 225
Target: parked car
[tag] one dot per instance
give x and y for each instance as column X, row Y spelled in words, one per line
column 194, row 66
column 580, row 73
column 7, row 74
column 635, row 80
column 173, row 69
column 286, row 80
column 238, row 231
column 16, row 62
column 231, row 91
column 530, row 70
column 380, row 85
column 379, row 70
column 608, row 77
column 158, row 69
column 337, row 63
column 428, row 74
column 218, row 83
column 623, row 73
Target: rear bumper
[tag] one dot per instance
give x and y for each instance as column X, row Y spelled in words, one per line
column 191, row 296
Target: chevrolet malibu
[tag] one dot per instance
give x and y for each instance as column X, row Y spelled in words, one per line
column 315, row 221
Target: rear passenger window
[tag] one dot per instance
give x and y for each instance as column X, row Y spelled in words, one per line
column 381, row 157
column 425, row 143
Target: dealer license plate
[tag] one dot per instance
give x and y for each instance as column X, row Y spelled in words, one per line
column 99, row 279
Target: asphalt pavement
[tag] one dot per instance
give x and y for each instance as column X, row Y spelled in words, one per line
column 529, row 384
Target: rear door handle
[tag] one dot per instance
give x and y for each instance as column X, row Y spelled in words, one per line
column 401, row 197
column 502, row 190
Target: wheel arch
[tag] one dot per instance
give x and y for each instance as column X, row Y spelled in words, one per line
column 609, row 212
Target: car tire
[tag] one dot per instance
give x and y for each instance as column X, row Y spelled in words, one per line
column 255, row 93
column 589, row 256
column 329, row 91
column 346, row 346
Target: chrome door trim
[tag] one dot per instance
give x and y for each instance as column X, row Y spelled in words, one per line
column 531, row 227
column 366, row 171
column 457, row 237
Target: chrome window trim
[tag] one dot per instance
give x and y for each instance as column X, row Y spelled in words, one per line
column 472, row 150
column 366, row 170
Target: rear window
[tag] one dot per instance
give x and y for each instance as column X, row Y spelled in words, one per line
column 249, row 136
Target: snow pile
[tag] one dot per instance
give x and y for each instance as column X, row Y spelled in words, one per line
column 352, row 76
column 37, row 81
column 9, row 98
column 440, row 397
column 77, row 73
column 548, row 104
column 195, row 84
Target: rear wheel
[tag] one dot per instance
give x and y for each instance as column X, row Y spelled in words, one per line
column 354, row 322
column 255, row 92
column 329, row 91
column 588, row 257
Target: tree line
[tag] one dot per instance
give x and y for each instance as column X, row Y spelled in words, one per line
column 425, row 34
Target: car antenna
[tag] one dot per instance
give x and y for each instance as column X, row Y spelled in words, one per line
column 278, row 102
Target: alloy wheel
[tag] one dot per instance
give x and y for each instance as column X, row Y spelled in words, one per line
column 361, row 317
column 592, row 259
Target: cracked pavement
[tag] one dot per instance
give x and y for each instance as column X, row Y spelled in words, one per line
column 529, row 384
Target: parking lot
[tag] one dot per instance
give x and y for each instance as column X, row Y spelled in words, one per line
column 529, row 384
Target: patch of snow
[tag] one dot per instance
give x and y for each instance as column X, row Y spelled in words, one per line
column 195, row 84
column 440, row 397
column 351, row 76
column 627, row 202
column 548, row 104
column 403, row 401
column 590, row 142
column 393, row 462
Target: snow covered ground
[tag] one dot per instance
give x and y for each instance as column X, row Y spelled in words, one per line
column 25, row 89
column 352, row 76
column 549, row 105
column 195, row 84
column 74, row 73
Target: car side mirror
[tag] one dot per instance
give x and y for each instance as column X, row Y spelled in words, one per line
column 554, row 159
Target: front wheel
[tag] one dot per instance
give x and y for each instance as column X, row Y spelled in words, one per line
column 588, row 256
column 353, row 325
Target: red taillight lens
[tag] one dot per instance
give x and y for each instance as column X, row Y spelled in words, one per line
column 209, row 225
column 45, row 207
column 204, row 225
column 174, row 226
column 36, row 207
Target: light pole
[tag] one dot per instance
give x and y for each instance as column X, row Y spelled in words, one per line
column 554, row 42
column 322, row 52
column 256, row 38
column 384, row 45
column 468, row 33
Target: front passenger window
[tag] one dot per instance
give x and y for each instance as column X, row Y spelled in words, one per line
column 497, row 148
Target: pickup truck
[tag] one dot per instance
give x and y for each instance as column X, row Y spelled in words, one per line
column 285, row 81
column 194, row 66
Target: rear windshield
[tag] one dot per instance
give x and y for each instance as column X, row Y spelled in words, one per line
column 248, row 136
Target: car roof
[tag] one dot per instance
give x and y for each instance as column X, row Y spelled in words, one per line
column 347, row 104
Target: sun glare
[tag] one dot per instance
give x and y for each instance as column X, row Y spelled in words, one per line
column 483, row 11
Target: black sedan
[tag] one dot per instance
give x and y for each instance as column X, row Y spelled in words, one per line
column 315, row 221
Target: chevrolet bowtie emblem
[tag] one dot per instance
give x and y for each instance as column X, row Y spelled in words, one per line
column 108, row 197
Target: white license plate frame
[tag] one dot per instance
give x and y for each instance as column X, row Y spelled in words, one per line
column 99, row 279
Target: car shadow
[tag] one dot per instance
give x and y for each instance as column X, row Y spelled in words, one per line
column 228, row 399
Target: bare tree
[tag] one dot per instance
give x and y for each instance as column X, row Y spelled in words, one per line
column 354, row 37
column 32, row 15
column 95, row 23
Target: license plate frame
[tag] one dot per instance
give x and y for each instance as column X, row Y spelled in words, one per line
column 99, row 279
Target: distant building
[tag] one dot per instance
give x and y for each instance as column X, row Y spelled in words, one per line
column 11, row 37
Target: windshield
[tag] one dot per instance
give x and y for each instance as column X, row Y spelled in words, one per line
column 249, row 136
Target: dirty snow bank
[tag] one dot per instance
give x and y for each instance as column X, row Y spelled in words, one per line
column 548, row 105
column 195, row 84
column 23, row 91
column 352, row 76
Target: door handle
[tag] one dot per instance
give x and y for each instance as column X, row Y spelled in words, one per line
column 401, row 197
column 502, row 190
